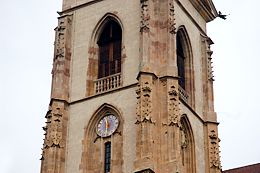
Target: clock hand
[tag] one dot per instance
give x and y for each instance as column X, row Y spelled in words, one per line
column 106, row 124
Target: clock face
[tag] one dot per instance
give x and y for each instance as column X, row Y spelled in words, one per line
column 107, row 125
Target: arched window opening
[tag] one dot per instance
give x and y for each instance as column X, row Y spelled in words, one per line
column 110, row 49
column 103, row 141
column 180, row 61
column 187, row 146
column 107, row 158
column 185, row 67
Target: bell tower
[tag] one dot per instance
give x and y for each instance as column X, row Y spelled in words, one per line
column 132, row 89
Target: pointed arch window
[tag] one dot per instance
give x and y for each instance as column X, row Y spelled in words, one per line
column 100, row 153
column 185, row 67
column 187, row 146
column 110, row 49
column 180, row 61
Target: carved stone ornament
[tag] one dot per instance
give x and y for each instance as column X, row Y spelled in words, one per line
column 171, row 20
column 43, row 155
column 53, row 128
column 214, row 150
column 209, row 63
column 62, row 31
column 163, row 82
column 144, row 103
column 145, row 17
column 63, row 24
column 173, row 107
column 60, row 43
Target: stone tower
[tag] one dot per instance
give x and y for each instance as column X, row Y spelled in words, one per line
column 132, row 89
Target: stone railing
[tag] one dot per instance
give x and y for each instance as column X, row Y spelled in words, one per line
column 183, row 94
column 108, row 83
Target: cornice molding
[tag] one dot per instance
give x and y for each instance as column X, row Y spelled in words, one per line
column 206, row 9
column 76, row 7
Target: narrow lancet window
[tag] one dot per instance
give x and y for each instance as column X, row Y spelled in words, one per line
column 180, row 61
column 107, row 157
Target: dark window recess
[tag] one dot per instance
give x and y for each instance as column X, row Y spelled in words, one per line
column 107, row 157
column 110, row 50
column 180, row 62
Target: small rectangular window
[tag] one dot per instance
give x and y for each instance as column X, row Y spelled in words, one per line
column 107, row 157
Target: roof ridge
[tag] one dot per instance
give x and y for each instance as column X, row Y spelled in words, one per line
column 242, row 167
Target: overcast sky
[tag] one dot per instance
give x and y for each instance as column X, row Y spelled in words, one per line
column 27, row 36
column 236, row 62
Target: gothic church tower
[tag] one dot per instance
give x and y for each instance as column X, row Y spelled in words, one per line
column 132, row 89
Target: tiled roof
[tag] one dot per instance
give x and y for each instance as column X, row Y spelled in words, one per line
column 255, row 168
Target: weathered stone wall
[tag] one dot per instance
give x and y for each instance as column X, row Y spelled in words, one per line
column 80, row 114
column 86, row 19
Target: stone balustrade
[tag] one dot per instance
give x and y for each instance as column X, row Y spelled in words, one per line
column 108, row 83
column 183, row 94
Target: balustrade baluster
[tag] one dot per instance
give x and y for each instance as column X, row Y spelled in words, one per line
column 112, row 82
column 118, row 81
column 183, row 94
column 99, row 86
column 96, row 86
column 107, row 83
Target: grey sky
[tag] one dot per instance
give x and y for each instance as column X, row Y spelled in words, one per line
column 236, row 65
column 26, row 54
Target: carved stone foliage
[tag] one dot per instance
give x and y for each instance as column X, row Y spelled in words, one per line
column 171, row 20
column 214, row 150
column 163, row 82
column 53, row 129
column 62, row 57
column 144, row 103
column 60, row 39
column 64, row 25
column 62, row 35
column 145, row 17
column 173, row 107
column 209, row 63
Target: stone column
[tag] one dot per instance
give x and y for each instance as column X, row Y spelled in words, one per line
column 213, row 149
column 171, row 61
column 145, row 35
column 54, row 147
column 170, row 110
column 145, row 125
column 208, row 78
column 61, row 60
column 170, row 128
column 213, row 164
